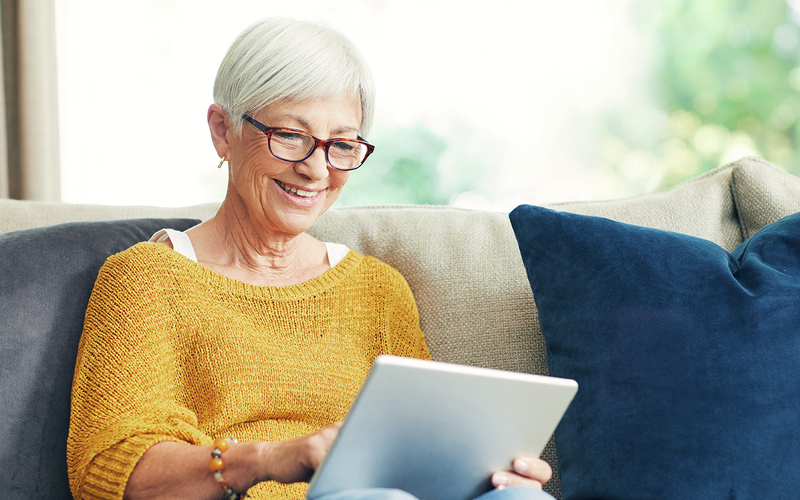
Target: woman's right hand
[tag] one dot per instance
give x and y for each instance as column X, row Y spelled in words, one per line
column 171, row 470
column 296, row 460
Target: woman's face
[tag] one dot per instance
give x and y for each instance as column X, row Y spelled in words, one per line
column 287, row 197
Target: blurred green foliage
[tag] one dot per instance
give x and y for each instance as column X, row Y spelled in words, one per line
column 722, row 82
column 404, row 169
column 725, row 74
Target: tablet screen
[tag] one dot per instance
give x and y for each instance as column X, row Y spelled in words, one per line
column 428, row 427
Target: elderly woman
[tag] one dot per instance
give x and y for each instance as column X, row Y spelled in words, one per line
column 245, row 326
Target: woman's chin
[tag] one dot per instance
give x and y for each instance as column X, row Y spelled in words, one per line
column 295, row 221
column 304, row 210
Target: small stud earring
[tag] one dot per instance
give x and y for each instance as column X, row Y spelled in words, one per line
column 221, row 162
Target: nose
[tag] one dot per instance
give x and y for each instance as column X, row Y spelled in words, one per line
column 315, row 167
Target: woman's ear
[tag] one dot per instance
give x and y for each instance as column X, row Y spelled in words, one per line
column 219, row 125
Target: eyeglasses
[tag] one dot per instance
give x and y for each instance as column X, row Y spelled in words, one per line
column 293, row 145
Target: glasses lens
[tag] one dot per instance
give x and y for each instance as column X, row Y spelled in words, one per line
column 290, row 146
column 346, row 155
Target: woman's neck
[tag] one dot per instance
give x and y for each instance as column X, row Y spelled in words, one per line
column 246, row 248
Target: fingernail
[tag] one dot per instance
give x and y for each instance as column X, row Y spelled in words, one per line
column 499, row 480
column 520, row 466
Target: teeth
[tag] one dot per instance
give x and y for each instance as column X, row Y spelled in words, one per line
column 298, row 192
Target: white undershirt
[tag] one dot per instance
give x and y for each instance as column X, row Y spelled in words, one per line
column 183, row 245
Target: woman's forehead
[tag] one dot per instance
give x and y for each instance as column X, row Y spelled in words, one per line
column 343, row 111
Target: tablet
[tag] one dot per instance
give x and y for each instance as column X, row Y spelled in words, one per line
column 439, row 430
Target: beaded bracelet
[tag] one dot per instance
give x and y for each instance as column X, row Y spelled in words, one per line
column 216, row 465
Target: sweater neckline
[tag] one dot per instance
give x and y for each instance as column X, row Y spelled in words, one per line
column 227, row 285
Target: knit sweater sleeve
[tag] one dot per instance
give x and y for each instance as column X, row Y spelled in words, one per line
column 126, row 388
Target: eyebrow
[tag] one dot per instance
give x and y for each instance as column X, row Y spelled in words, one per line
column 302, row 121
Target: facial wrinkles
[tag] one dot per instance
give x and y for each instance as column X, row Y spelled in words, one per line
column 322, row 118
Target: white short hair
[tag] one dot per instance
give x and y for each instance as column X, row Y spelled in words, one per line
column 277, row 59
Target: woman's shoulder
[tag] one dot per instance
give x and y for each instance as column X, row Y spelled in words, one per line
column 138, row 255
column 376, row 269
column 128, row 280
column 144, row 259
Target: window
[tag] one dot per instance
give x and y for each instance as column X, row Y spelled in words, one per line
column 483, row 105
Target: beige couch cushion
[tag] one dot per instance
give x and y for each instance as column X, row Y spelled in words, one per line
column 763, row 193
column 15, row 214
column 465, row 271
column 702, row 207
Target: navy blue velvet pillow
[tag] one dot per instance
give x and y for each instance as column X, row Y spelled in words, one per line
column 688, row 357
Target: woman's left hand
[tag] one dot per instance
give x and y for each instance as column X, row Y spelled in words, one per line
column 525, row 471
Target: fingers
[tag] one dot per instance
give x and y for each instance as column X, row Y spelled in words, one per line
column 319, row 443
column 534, row 468
column 526, row 471
column 329, row 433
column 297, row 459
column 504, row 479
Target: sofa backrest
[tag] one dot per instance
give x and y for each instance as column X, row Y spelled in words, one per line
column 476, row 306
column 16, row 215
column 475, row 302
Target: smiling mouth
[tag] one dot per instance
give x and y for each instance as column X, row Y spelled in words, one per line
column 295, row 191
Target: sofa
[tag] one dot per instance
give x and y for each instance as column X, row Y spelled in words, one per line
column 464, row 267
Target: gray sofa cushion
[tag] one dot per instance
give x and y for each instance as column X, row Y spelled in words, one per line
column 46, row 277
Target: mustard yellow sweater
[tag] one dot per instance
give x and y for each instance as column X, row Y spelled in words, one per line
column 173, row 351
